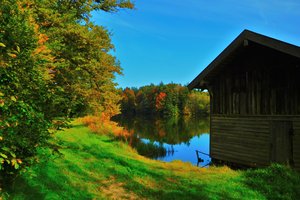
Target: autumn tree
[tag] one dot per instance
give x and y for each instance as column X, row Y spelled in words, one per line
column 83, row 70
column 197, row 103
column 166, row 100
column 54, row 62
column 160, row 101
column 23, row 90
column 128, row 105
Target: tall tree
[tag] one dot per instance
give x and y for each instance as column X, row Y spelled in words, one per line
column 82, row 67
column 53, row 62
column 23, row 89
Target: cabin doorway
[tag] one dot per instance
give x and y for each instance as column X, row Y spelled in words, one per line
column 282, row 142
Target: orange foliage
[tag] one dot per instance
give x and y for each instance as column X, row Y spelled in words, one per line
column 12, row 55
column 40, row 49
column 22, row 5
column 159, row 100
column 43, row 38
column 161, row 133
column 128, row 93
column 102, row 125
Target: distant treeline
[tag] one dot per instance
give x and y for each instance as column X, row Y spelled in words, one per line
column 164, row 100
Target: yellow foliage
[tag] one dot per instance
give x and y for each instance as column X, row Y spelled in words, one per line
column 103, row 125
column 42, row 38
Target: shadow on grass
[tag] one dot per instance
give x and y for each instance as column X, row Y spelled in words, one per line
column 22, row 190
column 274, row 182
column 110, row 140
column 165, row 189
column 76, row 126
column 49, row 182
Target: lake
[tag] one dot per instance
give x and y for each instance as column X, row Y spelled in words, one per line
column 169, row 139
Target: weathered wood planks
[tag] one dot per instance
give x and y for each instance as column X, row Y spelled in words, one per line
column 247, row 140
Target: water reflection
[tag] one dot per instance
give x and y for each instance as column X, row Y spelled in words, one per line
column 167, row 140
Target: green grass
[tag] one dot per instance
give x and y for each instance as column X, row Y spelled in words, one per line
column 275, row 182
column 98, row 167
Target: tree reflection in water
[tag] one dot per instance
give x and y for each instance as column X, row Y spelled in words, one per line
column 161, row 139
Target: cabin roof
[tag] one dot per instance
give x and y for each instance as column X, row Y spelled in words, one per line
column 235, row 47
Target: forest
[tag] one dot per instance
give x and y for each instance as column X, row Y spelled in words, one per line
column 164, row 100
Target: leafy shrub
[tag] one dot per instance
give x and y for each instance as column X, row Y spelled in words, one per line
column 103, row 125
column 23, row 127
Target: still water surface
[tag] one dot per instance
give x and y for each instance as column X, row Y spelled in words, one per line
column 168, row 140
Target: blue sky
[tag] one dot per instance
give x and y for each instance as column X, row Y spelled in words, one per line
column 174, row 40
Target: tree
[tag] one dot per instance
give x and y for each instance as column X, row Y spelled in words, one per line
column 54, row 62
column 23, row 90
column 197, row 103
column 82, row 68
column 128, row 105
column 160, row 101
column 112, row 6
column 168, row 100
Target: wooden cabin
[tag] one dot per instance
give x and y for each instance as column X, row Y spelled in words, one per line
column 254, row 86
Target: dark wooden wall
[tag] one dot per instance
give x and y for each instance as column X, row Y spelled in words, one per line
column 257, row 84
column 248, row 140
column 240, row 140
column 296, row 144
column 250, row 93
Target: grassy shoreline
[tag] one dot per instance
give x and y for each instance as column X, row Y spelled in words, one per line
column 97, row 167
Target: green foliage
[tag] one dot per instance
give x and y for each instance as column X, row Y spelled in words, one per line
column 275, row 182
column 8, row 157
column 112, row 6
column 82, row 68
column 23, row 130
column 22, row 91
column 164, row 100
column 196, row 104
column 54, row 63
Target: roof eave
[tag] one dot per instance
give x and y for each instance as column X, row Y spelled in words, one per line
column 229, row 49
column 244, row 36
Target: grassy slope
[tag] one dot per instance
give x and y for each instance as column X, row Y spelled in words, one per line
column 96, row 167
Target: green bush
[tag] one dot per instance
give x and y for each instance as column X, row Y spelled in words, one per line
column 23, row 130
column 23, row 127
